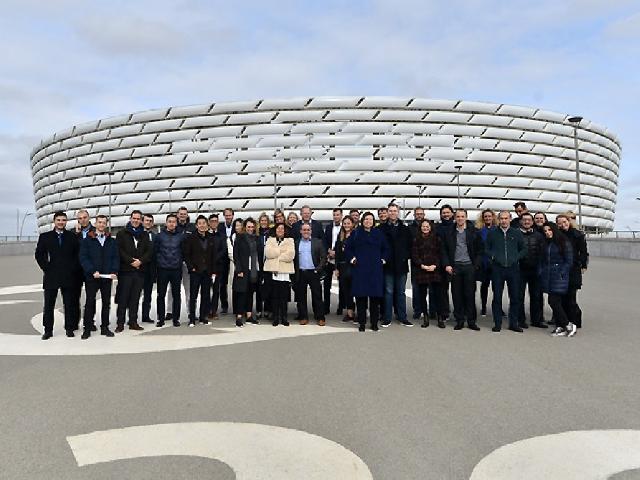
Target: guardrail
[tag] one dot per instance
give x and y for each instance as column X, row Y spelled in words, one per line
column 15, row 238
column 617, row 235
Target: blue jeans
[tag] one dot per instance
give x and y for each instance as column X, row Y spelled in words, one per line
column 511, row 275
column 394, row 296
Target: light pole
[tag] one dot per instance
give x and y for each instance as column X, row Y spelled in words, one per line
column 110, row 175
column 458, row 167
column 575, row 121
column 24, row 217
column 275, row 170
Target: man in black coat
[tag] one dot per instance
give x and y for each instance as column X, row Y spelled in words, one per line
column 309, row 263
column 135, row 251
column 305, row 218
column 225, row 229
column 331, row 232
column 461, row 256
column 222, row 262
column 150, row 269
column 57, row 256
column 534, row 241
column 200, row 256
column 398, row 237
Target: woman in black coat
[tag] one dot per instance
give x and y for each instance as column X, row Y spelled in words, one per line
column 245, row 275
column 566, row 224
column 263, row 306
column 425, row 256
column 343, row 270
column 554, row 271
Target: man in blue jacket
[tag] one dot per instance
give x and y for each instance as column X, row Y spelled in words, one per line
column 168, row 253
column 100, row 261
column 505, row 249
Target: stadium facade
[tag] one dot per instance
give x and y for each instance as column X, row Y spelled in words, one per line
column 352, row 152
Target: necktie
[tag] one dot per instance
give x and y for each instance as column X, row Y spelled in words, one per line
column 59, row 239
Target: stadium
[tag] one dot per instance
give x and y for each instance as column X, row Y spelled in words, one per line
column 349, row 152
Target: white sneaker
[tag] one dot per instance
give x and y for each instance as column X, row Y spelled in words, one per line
column 559, row 332
column 191, row 324
column 571, row 329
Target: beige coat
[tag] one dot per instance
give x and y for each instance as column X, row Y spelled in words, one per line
column 279, row 258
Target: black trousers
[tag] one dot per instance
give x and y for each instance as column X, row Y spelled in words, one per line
column 130, row 285
column 199, row 283
column 214, row 299
column 344, row 284
column 50, row 296
column 529, row 277
column 326, row 288
column 223, row 282
column 559, row 313
column 463, row 291
column 279, row 293
column 441, row 302
column 243, row 301
column 92, row 286
column 149, row 280
column 312, row 279
column 430, row 290
column 571, row 307
column 168, row 277
column 374, row 310
column 76, row 293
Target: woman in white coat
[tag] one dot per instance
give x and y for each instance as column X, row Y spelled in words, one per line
column 279, row 252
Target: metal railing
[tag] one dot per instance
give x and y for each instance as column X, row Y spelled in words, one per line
column 15, row 238
column 617, row 235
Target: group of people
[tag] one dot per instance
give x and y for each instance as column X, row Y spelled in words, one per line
column 267, row 261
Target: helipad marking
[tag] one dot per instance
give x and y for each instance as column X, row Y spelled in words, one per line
column 584, row 454
column 274, row 453
column 17, row 289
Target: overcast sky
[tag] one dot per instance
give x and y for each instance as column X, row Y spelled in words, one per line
column 67, row 62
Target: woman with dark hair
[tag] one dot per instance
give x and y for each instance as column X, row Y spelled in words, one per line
column 446, row 223
column 425, row 255
column 567, row 225
column 262, row 296
column 279, row 253
column 487, row 221
column 343, row 269
column 367, row 252
column 554, row 269
column 245, row 275
column 539, row 219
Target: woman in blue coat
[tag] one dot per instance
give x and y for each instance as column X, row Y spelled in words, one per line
column 367, row 251
column 554, row 268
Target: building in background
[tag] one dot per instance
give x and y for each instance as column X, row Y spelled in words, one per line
column 352, row 152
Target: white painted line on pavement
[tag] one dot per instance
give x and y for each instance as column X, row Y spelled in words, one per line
column 252, row 451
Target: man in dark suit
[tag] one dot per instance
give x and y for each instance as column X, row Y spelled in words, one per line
column 305, row 218
column 225, row 229
column 150, row 272
column 331, row 233
column 83, row 228
column 57, row 256
column 462, row 250
column 309, row 262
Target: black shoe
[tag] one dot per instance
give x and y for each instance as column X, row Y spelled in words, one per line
column 70, row 333
column 204, row 322
column 339, row 312
column 176, row 323
column 361, row 328
column 47, row 335
column 160, row 323
column 253, row 321
column 523, row 325
column 94, row 328
column 406, row 323
column 85, row 334
column 168, row 317
column 458, row 326
column 239, row 323
column 374, row 328
column 425, row 323
column 147, row 320
column 275, row 323
column 441, row 324
column 540, row 325
column 385, row 324
column 285, row 323
column 106, row 332
column 474, row 327
column 516, row 329
column 495, row 329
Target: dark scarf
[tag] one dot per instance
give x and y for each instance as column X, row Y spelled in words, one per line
column 253, row 249
column 136, row 232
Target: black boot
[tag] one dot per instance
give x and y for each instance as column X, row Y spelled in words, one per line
column 441, row 323
column 86, row 334
column 425, row 322
column 106, row 332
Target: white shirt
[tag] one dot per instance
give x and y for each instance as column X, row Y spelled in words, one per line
column 101, row 238
column 334, row 235
column 228, row 229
